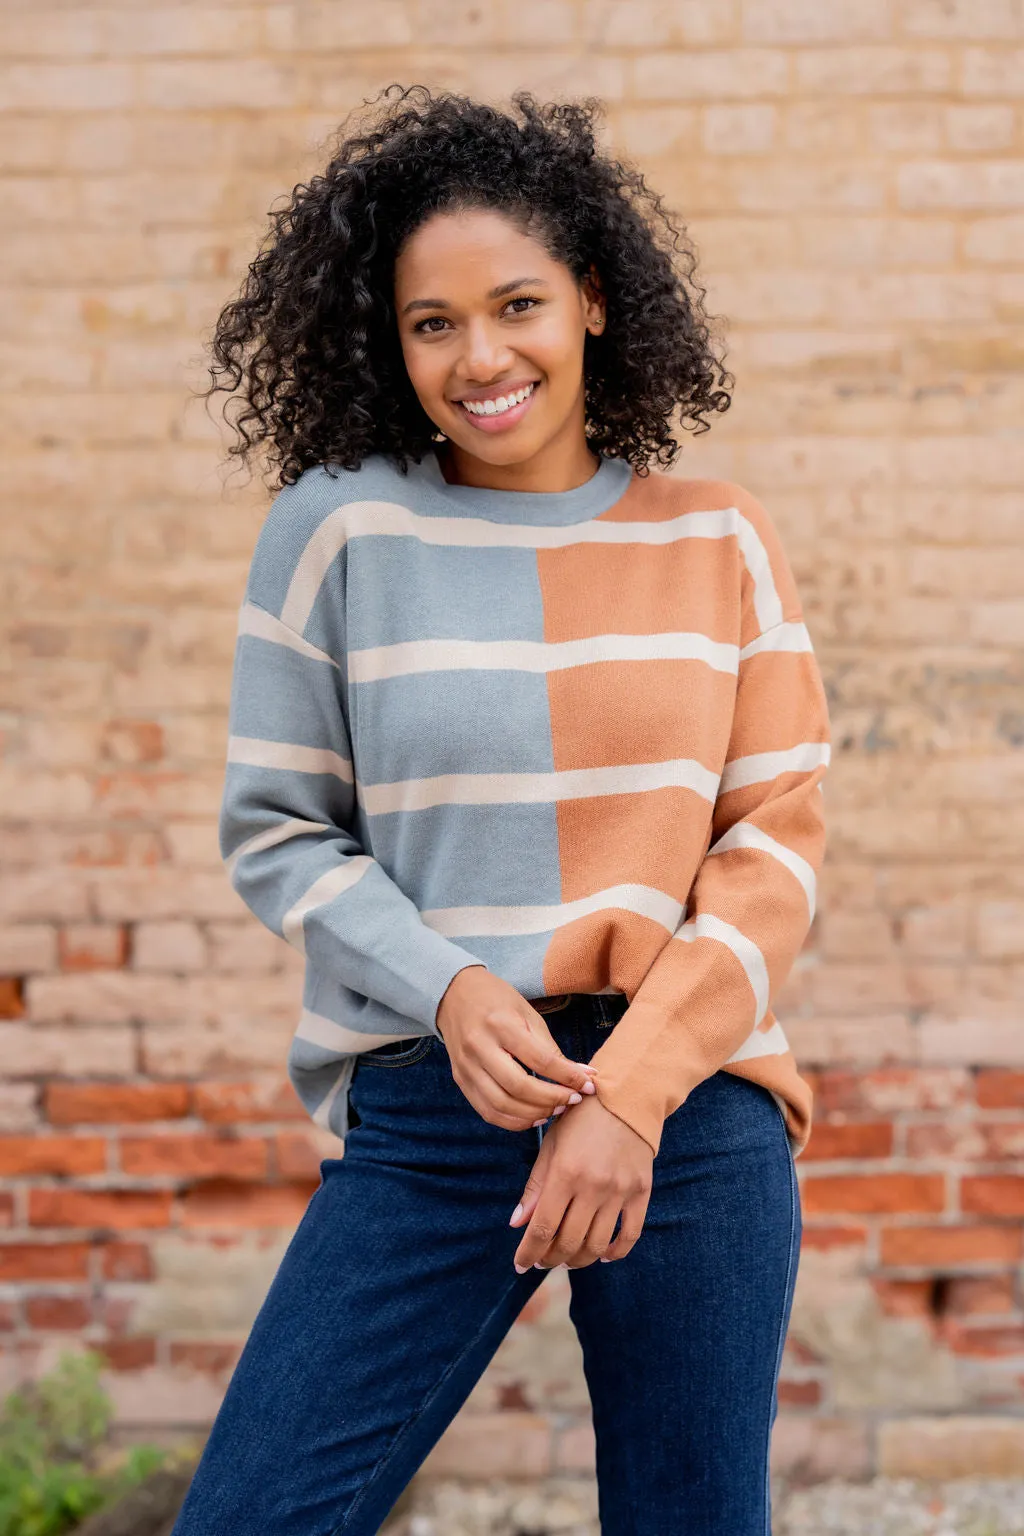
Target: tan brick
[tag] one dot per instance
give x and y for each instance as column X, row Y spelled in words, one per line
column 512, row 1445
column 743, row 129
column 967, row 19
column 712, row 75
column 170, row 946
column 864, row 70
column 32, row 1051
column 951, row 1446
column 693, row 23
column 993, row 72
column 978, row 128
column 959, row 184
column 92, row 946
column 803, row 21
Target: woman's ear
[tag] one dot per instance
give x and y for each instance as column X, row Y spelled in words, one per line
column 594, row 301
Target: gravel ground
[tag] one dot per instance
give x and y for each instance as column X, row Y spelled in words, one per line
column 568, row 1507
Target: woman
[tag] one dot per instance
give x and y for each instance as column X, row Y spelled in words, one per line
column 525, row 757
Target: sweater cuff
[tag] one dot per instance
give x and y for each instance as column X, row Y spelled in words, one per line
column 644, row 1071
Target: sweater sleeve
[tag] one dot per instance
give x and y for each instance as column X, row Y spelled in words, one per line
column 706, row 999
column 288, row 828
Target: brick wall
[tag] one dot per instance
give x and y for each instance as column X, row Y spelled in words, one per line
column 854, row 176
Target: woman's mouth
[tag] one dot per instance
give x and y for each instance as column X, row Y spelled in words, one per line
column 499, row 411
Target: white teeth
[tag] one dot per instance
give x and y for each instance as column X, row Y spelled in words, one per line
column 496, row 406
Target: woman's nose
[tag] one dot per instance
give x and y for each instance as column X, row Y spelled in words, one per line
column 486, row 354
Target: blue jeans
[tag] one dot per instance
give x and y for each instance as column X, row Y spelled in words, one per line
column 398, row 1287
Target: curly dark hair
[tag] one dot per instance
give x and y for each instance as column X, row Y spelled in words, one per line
column 310, row 347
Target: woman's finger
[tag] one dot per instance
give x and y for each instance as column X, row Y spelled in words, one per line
column 571, row 1236
column 517, row 1087
column 536, row 1048
column 599, row 1235
column 634, row 1213
column 544, row 1224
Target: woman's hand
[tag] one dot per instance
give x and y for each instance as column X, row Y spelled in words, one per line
column 489, row 1029
column 591, row 1166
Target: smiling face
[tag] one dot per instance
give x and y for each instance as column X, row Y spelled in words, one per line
column 492, row 330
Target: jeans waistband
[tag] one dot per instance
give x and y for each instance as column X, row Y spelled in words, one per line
column 582, row 1007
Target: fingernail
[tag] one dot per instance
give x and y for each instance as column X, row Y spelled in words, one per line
column 516, row 1214
column 538, row 1122
column 586, row 1066
column 606, row 1261
column 559, row 1111
column 542, row 1266
column 575, row 1098
column 589, row 1086
column 519, row 1268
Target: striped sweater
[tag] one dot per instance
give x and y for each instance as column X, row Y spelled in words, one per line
column 577, row 736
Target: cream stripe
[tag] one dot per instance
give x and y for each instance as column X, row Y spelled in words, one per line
column 322, row 1113
column 315, row 1029
column 760, row 767
column 743, row 835
column 254, row 752
column 253, row 620
column 382, row 661
column 781, row 637
column 536, row 788
column 504, row 922
column 390, row 519
column 293, row 827
column 342, row 878
column 707, row 926
column 767, row 1042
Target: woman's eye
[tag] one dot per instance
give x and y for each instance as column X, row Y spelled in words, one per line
column 430, row 321
column 522, row 300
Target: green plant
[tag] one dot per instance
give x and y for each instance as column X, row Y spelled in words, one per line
column 51, row 1431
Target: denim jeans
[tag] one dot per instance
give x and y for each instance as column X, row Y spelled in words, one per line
column 398, row 1287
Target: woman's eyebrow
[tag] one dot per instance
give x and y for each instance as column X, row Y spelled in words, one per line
column 495, row 293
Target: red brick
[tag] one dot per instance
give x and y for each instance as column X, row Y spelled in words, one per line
column 115, row 1103
column 988, row 1343
column 44, row 1261
column 201, row 1157
column 799, row 1394
column 99, row 1208
column 950, row 1247
column 970, row 1294
column 126, row 1261
column 862, row 1139
column 57, row 1312
column 221, row 1203
column 997, row 1194
column 226, row 1103
column 997, row 1089
column 12, row 998
column 6, row 1209
column 880, row 1192
column 892, row 1090
column 52, row 1154
column 297, row 1156
column 822, row 1239
column 133, row 1353
column 209, row 1356
column 903, row 1298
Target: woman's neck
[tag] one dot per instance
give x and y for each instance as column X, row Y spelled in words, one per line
column 559, row 466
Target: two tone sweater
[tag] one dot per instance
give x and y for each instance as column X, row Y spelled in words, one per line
column 575, row 736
